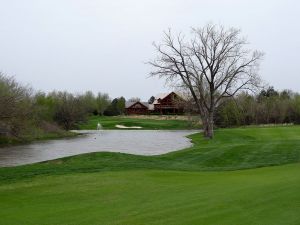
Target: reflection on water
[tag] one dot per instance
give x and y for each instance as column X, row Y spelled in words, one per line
column 133, row 142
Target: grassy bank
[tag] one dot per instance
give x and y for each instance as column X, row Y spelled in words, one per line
column 147, row 123
column 114, row 188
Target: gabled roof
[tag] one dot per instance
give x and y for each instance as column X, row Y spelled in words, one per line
column 145, row 104
column 129, row 104
column 164, row 95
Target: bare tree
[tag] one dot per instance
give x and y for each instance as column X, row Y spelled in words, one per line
column 102, row 101
column 69, row 110
column 15, row 105
column 134, row 99
column 214, row 64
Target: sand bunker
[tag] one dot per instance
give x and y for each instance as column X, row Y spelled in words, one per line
column 125, row 127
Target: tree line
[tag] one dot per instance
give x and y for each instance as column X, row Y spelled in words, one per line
column 269, row 106
column 22, row 108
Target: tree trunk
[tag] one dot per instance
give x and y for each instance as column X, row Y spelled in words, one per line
column 208, row 126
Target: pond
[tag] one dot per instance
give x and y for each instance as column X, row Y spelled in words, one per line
column 137, row 142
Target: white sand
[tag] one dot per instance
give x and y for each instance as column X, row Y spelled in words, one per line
column 124, row 127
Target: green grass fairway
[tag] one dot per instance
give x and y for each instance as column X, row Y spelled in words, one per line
column 249, row 197
column 200, row 185
column 109, row 122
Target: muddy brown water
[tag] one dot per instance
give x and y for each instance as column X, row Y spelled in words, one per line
column 139, row 142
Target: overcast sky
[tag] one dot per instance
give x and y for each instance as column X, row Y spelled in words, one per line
column 98, row 45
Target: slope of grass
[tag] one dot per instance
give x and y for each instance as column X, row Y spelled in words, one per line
column 249, row 197
column 232, row 149
column 109, row 122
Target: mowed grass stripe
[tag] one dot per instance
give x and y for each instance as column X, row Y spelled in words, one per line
column 110, row 122
column 257, row 196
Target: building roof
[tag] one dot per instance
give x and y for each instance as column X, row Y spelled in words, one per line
column 145, row 104
column 164, row 95
column 128, row 104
